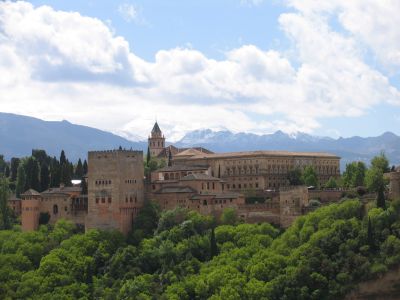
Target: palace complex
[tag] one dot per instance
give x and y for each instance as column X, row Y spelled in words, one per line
column 254, row 183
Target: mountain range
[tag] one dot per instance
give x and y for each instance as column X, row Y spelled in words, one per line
column 20, row 134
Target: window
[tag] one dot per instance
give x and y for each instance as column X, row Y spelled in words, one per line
column 130, row 199
column 103, row 200
column 109, row 199
column 66, row 208
column 55, row 209
column 213, row 186
column 97, row 200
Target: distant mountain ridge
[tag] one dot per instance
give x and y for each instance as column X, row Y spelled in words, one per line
column 20, row 134
column 350, row 149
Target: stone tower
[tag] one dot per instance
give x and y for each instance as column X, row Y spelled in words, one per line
column 30, row 205
column 156, row 141
column 115, row 189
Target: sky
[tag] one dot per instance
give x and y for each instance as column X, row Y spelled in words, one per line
column 327, row 68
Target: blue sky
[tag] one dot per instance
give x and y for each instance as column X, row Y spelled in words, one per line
column 321, row 67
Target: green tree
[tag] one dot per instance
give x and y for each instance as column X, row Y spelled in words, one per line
column 85, row 167
column 309, row 176
column 375, row 180
column 7, row 171
column 5, row 221
column 32, row 174
column 331, row 183
column 63, row 158
column 148, row 156
column 213, row 244
column 14, row 168
column 55, row 173
column 21, row 179
column 44, row 177
column 229, row 216
column 3, row 164
column 295, row 177
column 354, row 175
column 79, row 170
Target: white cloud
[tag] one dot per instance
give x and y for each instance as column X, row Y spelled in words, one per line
column 251, row 2
column 62, row 65
column 131, row 13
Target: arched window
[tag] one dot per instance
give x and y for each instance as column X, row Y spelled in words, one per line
column 55, row 209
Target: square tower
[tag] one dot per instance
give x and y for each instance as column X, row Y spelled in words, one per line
column 115, row 189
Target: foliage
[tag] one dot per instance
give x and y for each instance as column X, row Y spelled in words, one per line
column 331, row 183
column 295, row 177
column 229, row 216
column 5, row 213
column 354, row 175
column 309, row 176
column 323, row 255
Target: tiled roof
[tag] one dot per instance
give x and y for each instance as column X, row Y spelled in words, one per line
column 31, row 192
column 63, row 190
column 174, row 168
column 196, row 155
column 156, row 128
column 176, row 189
column 199, row 177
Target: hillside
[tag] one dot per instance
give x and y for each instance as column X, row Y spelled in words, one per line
column 323, row 255
column 20, row 134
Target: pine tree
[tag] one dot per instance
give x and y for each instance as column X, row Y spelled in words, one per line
column 44, row 177
column 21, row 179
column 79, row 170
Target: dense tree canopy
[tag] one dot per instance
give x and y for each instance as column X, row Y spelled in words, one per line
column 323, row 255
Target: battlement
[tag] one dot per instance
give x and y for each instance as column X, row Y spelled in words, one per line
column 115, row 151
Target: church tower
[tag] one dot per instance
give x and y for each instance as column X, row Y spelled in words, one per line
column 156, row 141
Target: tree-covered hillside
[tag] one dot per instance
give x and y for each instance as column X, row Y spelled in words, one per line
column 183, row 255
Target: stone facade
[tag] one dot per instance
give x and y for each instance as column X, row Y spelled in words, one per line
column 115, row 189
column 196, row 179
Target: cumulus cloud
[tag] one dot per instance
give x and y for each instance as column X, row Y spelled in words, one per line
column 62, row 65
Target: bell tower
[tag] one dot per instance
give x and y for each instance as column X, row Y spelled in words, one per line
column 156, row 141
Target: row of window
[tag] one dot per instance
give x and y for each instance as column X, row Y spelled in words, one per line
column 239, row 186
column 208, row 185
column 130, row 199
column 130, row 181
column 103, row 200
column 103, row 182
column 30, row 208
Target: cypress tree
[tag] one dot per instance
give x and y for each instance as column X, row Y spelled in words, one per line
column 4, row 209
column 21, row 178
column 380, row 199
column 169, row 158
column 370, row 236
column 63, row 159
column 84, row 187
column 79, row 170
column 213, row 244
column 44, row 177
column 85, row 167
column 55, row 173
column 148, row 156
column 32, row 174
column 14, row 168
column 7, row 172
